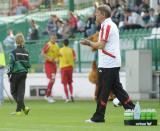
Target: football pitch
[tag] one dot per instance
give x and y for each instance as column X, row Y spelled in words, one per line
column 62, row 116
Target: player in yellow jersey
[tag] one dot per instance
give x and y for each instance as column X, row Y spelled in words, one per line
column 66, row 63
column 50, row 51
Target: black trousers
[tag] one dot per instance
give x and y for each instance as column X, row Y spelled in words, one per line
column 17, row 84
column 108, row 80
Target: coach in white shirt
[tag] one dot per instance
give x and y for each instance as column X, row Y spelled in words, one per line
column 109, row 62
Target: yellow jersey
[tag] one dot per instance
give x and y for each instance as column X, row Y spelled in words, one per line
column 2, row 59
column 51, row 50
column 67, row 57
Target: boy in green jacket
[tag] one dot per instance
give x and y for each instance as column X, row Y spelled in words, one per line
column 17, row 73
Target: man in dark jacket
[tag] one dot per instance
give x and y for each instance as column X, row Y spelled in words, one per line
column 17, row 73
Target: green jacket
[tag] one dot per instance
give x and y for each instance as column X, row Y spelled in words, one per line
column 18, row 61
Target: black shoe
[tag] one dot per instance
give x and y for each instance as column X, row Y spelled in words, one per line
column 89, row 121
column 72, row 99
column 97, row 120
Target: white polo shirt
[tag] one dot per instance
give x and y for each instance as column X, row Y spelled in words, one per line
column 109, row 57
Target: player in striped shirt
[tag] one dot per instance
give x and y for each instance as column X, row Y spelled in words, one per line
column 109, row 63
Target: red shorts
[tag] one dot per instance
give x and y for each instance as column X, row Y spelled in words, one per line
column 66, row 75
column 50, row 70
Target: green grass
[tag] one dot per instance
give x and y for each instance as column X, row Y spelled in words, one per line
column 62, row 116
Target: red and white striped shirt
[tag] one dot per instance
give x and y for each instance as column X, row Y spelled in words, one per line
column 109, row 57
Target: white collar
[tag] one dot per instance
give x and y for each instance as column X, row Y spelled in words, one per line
column 106, row 20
